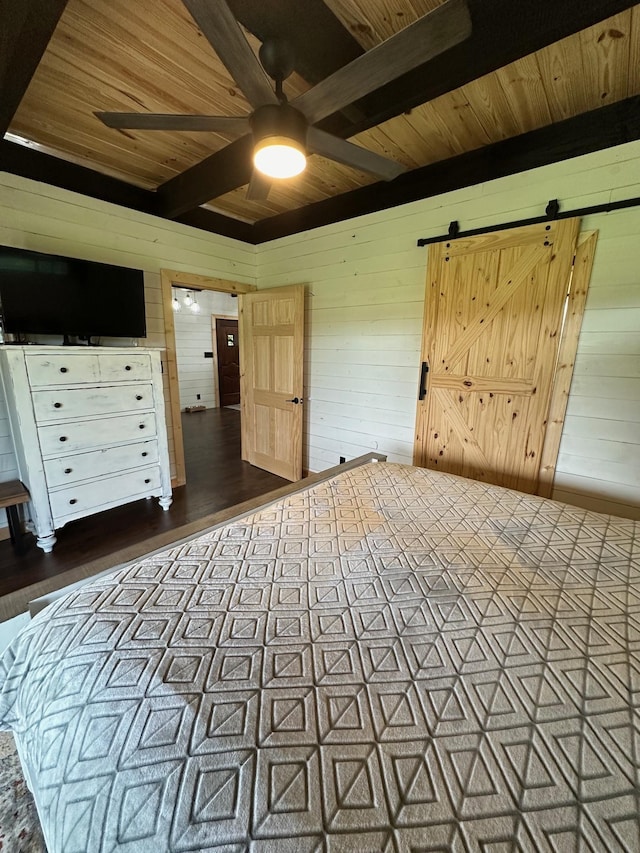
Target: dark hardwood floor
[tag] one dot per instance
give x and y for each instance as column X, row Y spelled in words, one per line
column 216, row 478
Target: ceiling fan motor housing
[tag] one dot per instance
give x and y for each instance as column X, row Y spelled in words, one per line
column 279, row 121
column 277, row 58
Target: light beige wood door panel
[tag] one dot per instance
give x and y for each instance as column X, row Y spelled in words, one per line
column 284, row 379
column 493, row 318
column 271, row 377
column 492, row 241
column 482, row 383
column 261, row 362
column 490, row 304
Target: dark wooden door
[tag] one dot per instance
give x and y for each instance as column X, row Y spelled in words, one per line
column 228, row 361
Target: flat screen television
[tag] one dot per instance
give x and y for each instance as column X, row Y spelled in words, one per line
column 51, row 295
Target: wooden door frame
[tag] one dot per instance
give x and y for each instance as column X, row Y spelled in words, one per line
column 576, row 300
column 214, row 344
column 169, row 279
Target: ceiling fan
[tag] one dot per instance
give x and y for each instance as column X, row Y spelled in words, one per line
column 283, row 133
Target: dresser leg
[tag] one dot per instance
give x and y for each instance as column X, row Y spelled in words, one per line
column 47, row 542
column 165, row 502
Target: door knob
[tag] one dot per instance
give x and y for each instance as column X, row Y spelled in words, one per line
column 295, row 400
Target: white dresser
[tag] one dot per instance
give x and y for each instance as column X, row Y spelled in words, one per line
column 88, row 427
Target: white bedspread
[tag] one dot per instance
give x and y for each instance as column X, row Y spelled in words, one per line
column 393, row 660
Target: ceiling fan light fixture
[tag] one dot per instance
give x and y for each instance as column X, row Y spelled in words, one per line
column 279, row 157
column 280, row 137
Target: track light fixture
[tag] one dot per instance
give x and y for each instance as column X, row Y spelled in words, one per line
column 189, row 300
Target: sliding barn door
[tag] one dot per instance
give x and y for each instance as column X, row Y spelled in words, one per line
column 493, row 317
column 271, row 377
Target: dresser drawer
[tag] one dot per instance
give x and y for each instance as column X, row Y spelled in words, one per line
column 80, row 500
column 62, row 369
column 70, row 403
column 65, row 438
column 119, row 367
column 99, row 463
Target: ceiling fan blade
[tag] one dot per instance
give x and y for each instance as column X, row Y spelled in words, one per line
column 353, row 155
column 259, row 186
column 222, row 31
column 161, row 121
column 421, row 41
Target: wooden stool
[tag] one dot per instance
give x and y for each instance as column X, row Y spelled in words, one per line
column 13, row 493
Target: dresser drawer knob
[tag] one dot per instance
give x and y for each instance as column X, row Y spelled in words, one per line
column 141, row 426
column 68, row 470
column 63, row 438
column 64, row 370
column 57, row 405
column 127, row 367
column 138, row 396
column 147, row 480
column 73, row 501
column 144, row 453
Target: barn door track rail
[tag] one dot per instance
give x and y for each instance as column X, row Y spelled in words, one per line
column 552, row 212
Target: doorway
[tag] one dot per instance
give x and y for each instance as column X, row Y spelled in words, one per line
column 201, row 355
column 270, row 335
column 206, row 345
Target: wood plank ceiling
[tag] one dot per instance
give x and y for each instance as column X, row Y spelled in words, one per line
column 149, row 56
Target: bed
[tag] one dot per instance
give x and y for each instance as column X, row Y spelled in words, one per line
column 393, row 659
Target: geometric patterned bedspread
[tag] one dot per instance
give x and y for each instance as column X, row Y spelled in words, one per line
column 394, row 660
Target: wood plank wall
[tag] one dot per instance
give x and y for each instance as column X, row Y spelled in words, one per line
column 47, row 219
column 193, row 339
column 365, row 291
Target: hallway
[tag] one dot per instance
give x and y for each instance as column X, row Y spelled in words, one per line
column 216, row 478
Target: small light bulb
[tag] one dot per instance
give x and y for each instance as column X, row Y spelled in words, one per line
column 188, row 300
column 195, row 307
column 175, row 303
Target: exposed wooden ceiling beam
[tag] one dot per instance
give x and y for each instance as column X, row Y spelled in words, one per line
column 611, row 125
column 227, row 169
column 503, row 31
column 26, row 27
column 218, row 223
column 605, row 127
column 38, row 166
